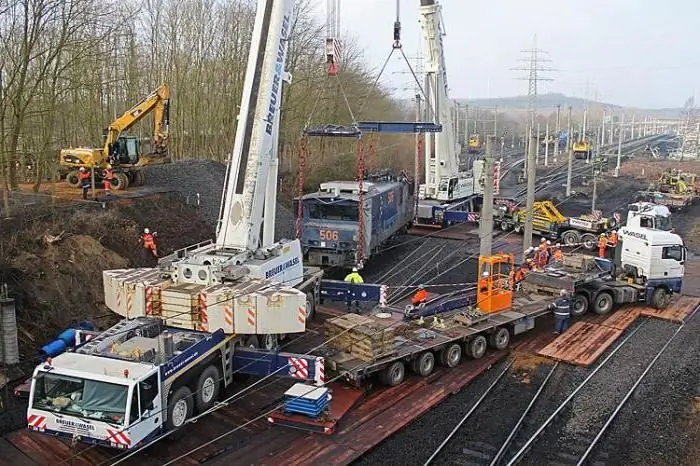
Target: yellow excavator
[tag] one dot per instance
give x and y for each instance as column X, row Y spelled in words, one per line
column 474, row 144
column 123, row 153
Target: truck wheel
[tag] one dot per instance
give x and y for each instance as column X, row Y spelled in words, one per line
column 393, row 374
column 476, row 347
column 579, row 305
column 590, row 242
column 500, row 338
column 208, row 386
column 310, row 306
column 517, row 228
column 424, row 364
column 660, row 298
column 179, row 408
column 505, row 226
column 603, row 303
column 451, row 355
column 120, row 182
column 72, row 179
column 570, row 237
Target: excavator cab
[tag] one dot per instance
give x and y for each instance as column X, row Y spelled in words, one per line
column 495, row 290
column 126, row 150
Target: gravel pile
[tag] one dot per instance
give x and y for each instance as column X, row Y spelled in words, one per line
column 203, row 181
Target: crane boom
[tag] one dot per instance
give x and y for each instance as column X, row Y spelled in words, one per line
column 242, row 215
column 443, row 181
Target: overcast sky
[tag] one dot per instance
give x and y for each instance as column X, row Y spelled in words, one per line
column 632, row 52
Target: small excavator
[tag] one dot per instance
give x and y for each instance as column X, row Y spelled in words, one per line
column 121, row 152
column 474, row 144
column 582, row 149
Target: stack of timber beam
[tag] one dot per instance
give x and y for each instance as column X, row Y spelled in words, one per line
column 360, row 336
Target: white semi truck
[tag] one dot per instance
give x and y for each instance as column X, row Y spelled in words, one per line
column 206, row 312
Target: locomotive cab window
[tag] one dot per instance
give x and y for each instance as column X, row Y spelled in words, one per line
column 333, row 212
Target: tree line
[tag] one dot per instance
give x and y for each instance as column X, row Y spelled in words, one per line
column 69, row 67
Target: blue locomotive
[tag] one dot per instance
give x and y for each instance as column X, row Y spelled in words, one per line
column 330, row 224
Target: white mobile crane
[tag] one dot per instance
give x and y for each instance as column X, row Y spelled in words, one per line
column 191, row 322
column 447, row 191
column 443, row 180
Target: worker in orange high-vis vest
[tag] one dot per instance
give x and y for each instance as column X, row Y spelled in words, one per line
column 602, row 245
column 149, row 242
column 108, row 178
column 557, row 256
column 421, row 296
column 84, row 179
column 612, row 243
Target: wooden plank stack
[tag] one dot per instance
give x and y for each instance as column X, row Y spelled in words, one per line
column 360, row 336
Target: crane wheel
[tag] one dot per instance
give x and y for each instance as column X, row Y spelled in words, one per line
column 139, row 178
column 208, row 385
column 590, row 242
column 179, row 408
column 72, row 179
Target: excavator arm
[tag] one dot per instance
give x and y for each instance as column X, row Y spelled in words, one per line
column 157, row 102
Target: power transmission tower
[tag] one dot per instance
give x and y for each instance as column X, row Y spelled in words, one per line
column 533, row 64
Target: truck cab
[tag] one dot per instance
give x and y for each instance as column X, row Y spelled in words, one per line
column 655, row 257
column 649, row 215
column 108, row 402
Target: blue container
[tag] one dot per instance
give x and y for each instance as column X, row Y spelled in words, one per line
column 53, row 349
column 68, row 336
column 86, row 325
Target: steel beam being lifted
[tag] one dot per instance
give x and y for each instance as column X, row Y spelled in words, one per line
column 341, row 131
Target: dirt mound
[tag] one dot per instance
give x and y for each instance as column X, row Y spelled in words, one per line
column 53, row 259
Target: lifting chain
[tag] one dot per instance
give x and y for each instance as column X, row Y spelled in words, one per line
column 360, row 163
column 372, row 162
column 300, row 184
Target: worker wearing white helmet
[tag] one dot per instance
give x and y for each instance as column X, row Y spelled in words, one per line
column 562, row 312
column 149, row 242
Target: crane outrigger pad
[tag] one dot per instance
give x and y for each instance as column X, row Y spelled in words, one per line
column 337, row 131
column 399, row 127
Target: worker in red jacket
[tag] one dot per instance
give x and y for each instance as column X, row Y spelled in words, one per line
column 149, row 242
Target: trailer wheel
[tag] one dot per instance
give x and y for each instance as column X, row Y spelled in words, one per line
column 424, row 364
column 72, row 179
column 579, row 305
column 505, row 226
column 139, row 178
column 208, row 386
column 660, row 298
column 393, row 374
column 603, row 303
column 476, row 347
column 310, row 306
column 590, row 242
column 451, row 355
column 517, row 228
column 179, row 408
column 500, row 338
column 570, row 237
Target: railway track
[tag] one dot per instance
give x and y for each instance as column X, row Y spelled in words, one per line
column 546, row 423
